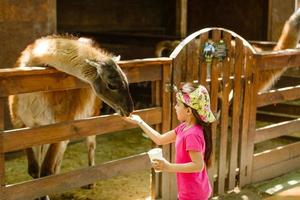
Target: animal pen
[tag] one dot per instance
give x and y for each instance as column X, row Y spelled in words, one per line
column 234, row 134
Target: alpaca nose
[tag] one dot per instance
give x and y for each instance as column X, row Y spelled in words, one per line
column 128, row 107
column 124, row 113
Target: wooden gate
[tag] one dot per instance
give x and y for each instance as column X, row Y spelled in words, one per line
column 229, row 78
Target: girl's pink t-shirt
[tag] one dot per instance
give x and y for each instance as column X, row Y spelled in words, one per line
column 191, row 186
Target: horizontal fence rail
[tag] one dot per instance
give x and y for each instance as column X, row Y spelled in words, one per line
column 278, row 95
column 17, row 81
column 277, row 130
column 276, row 162
column 278, row 59
column 74, row 179
column 18, row 139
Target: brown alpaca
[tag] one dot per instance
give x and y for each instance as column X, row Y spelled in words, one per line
column 288, row 40
column 79, row 57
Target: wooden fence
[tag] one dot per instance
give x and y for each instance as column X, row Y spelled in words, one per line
column 280, row 160
column 16, row 81
column 232, row 82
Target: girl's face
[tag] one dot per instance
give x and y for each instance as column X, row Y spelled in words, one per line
column 181, row 111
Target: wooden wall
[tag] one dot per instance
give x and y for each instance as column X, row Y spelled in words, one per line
column 279, row 12
column 22, row 22
column 130, row 28
column 246, row 18
column 127, row 16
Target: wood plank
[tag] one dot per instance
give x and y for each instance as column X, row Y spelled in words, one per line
column 214, row 91
column 155, row 177
column 276, row 21
column 183, row 68
column 143, row 73
column 10, row 72
column 226, row 87
column 2, row 158
column 22, row 138
column 263, row 45
column 25, row 81
column 145, row 61
column 74, row 179
column 278, row 96
column 245, row 123
column 276, row 170
column 236, row 113
column 192, row 60
column 166, row 99
column 276, row 155
column 178, row 62
column 203, row 66
column 47, row 82
column 252, row 115
column 181, row 17
column 278, row 59
column 169, row 179
column 277, row 130
column 168, row 185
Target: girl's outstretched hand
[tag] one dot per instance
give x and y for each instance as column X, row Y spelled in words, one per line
column 160, row 165
column 135, row 119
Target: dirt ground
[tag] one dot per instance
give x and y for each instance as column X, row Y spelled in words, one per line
column 135, row 186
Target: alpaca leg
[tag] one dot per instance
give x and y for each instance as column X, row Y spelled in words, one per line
column 33, row 166
column 91, row 146
column 44, row 198
column 52, row 161
column 53, row 158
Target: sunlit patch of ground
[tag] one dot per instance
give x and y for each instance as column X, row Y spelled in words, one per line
column 283, row 187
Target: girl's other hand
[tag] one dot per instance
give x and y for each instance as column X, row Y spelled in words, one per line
column 135, row 119
column 160, row 165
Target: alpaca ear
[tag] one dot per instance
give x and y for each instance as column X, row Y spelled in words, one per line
column 94, row 64
column 116, row 58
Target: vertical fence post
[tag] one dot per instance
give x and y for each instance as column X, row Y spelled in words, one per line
column 156, row 177
column 246, row 120
column 252, row 117
column 169, row 189
column 2, row 160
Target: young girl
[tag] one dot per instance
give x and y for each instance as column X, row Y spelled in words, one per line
column 192, row 139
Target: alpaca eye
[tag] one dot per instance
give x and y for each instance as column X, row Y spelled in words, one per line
column 112, row 86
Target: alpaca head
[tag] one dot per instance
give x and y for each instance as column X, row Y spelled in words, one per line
column 111, row 85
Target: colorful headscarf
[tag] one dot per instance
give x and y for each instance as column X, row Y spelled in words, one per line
column 198, row 100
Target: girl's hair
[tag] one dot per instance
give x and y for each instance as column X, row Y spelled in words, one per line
column 188, row 88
